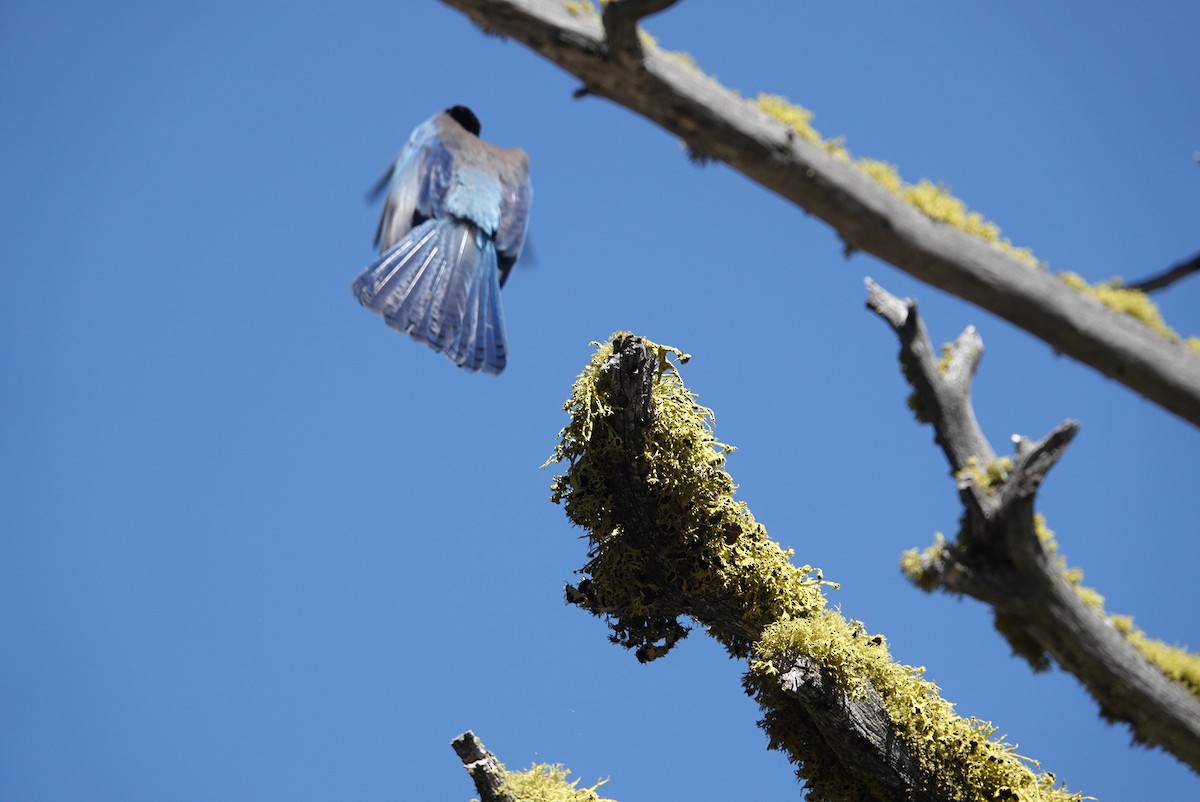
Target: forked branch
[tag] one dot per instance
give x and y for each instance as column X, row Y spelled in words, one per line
column 1003, row 553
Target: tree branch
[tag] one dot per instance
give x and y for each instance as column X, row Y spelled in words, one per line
column 483, row 767
column 620, row 25
column 667, row 540
column 1001, row 558
column 720, row 124
column 1168, row 276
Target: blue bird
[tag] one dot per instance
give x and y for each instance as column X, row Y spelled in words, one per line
column 453, row 226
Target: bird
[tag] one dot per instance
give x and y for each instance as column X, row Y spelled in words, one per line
column 453, row 225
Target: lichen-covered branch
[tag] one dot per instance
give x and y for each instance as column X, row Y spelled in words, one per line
column 717, row 123
column 486, row 771
column 1005, row 556
column 542, row 782
column 645, row 477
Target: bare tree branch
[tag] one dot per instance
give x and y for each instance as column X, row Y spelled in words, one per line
column 951, row 413
column 1168, row 276
column 1000, row 559
column 720, row 124
column 483, row 767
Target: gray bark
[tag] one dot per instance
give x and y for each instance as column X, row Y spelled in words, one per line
column 718, row 123
column 999, row 558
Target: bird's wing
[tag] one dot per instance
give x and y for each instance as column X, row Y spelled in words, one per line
column 516, row 198
column 418, row 181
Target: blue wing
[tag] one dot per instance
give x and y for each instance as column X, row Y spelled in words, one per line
column 515, row 202
column 418, row 182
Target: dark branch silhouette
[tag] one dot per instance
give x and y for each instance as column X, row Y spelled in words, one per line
column 1168, row 276
column 483, row 767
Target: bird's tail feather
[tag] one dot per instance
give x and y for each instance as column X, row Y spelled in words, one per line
column 439, row 284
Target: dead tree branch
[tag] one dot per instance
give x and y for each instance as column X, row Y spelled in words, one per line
column 483, row 767
column 720, row 124
column 667, row 540
column 1000, row 558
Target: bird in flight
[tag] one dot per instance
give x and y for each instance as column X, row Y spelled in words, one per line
column 453, row 226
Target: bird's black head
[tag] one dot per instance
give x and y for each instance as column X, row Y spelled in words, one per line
column 466, row 118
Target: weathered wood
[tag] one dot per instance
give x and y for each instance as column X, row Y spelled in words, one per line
column 1000, row 560
column 720, row 124
column 483, row 767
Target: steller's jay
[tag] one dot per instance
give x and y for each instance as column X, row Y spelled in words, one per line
column 453, row 225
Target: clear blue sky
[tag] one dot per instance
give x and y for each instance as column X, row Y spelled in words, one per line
column 256, row 546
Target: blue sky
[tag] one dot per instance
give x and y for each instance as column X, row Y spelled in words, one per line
column 257, row 546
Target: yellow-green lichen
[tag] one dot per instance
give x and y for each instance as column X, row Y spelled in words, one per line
column 943, row 364
column 923, row 569
column 962, row 757
column 1174, row 661
column 932, row 199
column 798, row 118
column 544, row 782
column 702, row 554
column 1134, row 303
column 579, row 7
column 706, row 542
column 986, row 477
column 1073, row 575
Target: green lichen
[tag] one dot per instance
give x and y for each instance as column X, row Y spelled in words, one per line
column 1134, row 303
column 962, row 756
column 923, row 569
column 1175, row 662
column 938, row 203
column 544, row 782
column 943, row 364
column 706, row 553
column 708, row 543
column 1073, row 575
column 986, row 477
column 932, row 199
column 580, row 7
column 798, row 118
column 915, row 401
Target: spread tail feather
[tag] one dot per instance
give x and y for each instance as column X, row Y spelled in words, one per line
column 439, row 284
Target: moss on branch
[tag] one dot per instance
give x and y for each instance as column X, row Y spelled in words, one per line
column 646, row 479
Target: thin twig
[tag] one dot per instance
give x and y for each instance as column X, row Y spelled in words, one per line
column 1168, row 276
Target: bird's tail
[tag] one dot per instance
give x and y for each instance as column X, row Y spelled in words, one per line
column 439, row 284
